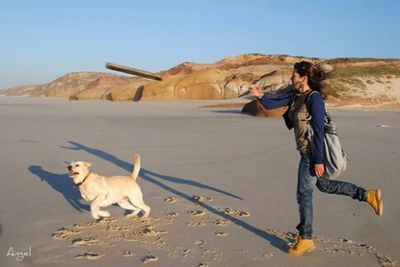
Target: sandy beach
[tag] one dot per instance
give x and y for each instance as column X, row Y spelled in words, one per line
column 221, row 186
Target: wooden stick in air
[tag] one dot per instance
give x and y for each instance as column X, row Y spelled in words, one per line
column 133, row 71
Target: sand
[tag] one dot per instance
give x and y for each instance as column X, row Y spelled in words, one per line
column 221, row 186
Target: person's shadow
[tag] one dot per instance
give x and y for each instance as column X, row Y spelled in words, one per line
column 62, row 184
column 155, row 178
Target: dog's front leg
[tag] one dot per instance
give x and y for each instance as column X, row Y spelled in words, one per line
column 85, row 197
column 95, row 208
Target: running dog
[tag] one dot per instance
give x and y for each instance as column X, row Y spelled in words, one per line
column 101, row 191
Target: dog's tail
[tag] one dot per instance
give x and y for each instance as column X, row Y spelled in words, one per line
column 136, row 168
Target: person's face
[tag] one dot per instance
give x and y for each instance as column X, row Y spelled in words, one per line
column 296, row 80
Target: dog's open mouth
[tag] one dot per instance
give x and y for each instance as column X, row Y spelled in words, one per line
column 72, row 173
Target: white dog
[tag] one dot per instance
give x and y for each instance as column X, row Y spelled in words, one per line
column 103, row 191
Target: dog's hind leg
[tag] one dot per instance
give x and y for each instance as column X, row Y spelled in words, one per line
column 138, row 202
column 125, row 204
column 146, row 210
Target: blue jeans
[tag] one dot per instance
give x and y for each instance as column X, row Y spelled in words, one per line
column 305, row 185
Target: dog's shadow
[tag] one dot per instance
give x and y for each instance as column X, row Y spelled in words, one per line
column 62, row 184
column 144, row 173
column 157, row 179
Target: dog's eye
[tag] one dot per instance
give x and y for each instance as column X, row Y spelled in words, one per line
column 77, row 165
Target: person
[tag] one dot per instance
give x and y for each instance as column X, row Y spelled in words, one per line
column 306, row 78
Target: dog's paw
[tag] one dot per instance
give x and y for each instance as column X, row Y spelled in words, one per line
column 104, row 214
column 130, row 215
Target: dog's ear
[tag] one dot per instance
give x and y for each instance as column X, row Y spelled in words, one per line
column 87, row 164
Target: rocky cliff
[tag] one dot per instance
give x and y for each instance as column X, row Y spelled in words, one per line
column 363, row 81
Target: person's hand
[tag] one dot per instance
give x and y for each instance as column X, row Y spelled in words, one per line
column 256, row 90
column 319, row 170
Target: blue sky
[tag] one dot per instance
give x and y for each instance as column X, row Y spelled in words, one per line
column 41, row 40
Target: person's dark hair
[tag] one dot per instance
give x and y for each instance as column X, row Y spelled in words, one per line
column 314, row 74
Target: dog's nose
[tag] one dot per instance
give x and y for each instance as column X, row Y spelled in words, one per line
column 69, row 167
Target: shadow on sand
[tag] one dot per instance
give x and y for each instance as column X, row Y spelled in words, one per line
column 229, row 111
column 155, row 178
column 62, row 184
column 145, row 174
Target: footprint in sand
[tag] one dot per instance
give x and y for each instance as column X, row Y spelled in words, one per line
column 170, row 200
column 116, row 228
column 196, row 224
column 64, row 234
column 172, row 215
column 143, row 220
column 149, row 231
column 385, row 260
column 207, row 251
column 128, row 253
column 222, row 222
column 107, row 220
column 149, row 258
column 84, row 242
column 197, row 198
column 196, row 213
column 235, row 212
column 266, row 256
column 199, row 218
column 222, row 234
column 125, row 237
column 84, row 225
column 180, row 252
column 89, row 256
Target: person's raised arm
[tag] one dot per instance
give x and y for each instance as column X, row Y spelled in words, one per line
column 272, row 101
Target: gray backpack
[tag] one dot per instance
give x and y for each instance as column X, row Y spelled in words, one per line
column 335, row 159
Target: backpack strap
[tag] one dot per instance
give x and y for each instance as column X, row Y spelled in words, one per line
column 327, row 117
column 285, row 115
column 308, row 95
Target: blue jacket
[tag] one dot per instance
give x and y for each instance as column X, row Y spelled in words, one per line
column 316, row 109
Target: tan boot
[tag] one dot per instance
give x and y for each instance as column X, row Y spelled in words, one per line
column 302, row 246
column 374, row 198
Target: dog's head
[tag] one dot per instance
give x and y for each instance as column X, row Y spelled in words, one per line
column 77, row 170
